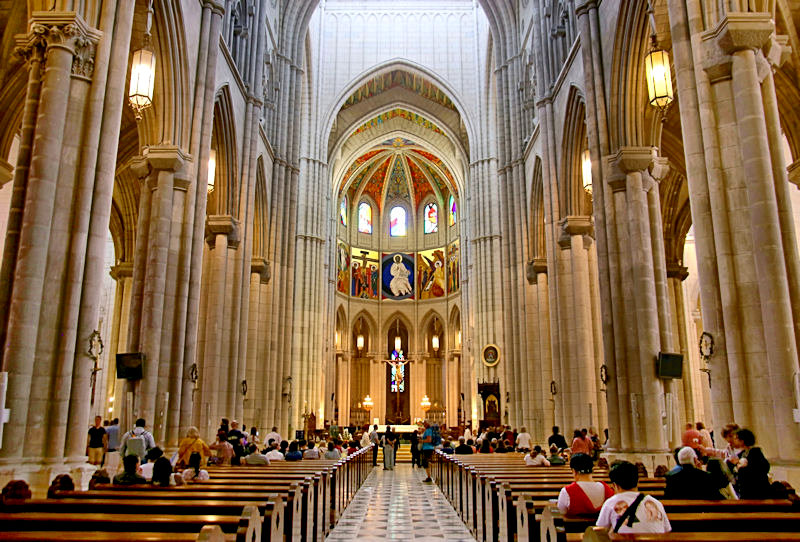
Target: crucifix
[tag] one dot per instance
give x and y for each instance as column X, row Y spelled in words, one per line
column 397, row 363
column 362, row 278
column 94, row 352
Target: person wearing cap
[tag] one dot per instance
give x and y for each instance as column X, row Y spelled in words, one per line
column 584, row 495
column 690, row 481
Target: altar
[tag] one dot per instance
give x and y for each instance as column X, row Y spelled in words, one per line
column 402, row 429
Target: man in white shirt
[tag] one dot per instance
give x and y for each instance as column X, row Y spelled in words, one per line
column 523, row 440
column 273, row 435
column 629, row 511
column 255, row 458
column 274, row 454
column 536, row 458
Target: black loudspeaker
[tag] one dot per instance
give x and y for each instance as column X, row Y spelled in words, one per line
column 129, row 366
column 670, row 365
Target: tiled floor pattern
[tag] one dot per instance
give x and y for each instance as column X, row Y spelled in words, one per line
column 397, row 505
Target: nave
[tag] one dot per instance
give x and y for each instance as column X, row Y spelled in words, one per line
column 397, row 505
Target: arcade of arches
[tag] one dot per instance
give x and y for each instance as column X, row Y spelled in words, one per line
column 347, row 210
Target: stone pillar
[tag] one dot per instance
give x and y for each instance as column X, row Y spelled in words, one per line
column 638, row 258
column 546, row 402
column 760, row 280
column 579, row 377
column 123, row 274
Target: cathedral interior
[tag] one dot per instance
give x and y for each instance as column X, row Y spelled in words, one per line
column 305, row 213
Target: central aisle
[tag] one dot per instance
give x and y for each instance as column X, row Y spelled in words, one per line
column 396, row 504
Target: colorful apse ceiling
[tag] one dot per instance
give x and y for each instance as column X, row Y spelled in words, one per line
column 398, row 78
column 398, row 169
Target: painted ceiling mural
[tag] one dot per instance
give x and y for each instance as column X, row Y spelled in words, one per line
column 399, row 78
column 397, row 169
column 376, row 122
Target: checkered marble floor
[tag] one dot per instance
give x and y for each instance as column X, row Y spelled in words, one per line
column 396, row 504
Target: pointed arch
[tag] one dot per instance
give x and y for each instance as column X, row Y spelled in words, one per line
column 260, row 217
column 223, row 199
column 536, row 237
column 571, row 195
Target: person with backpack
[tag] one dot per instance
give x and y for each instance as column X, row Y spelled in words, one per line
column 137, row 441
column 430, row 439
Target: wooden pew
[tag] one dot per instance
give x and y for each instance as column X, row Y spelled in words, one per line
column 598, row 534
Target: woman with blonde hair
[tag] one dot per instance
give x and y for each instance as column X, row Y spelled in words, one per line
column 192, row 443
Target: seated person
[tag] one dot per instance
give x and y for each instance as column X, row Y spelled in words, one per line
column 100, row 476
column 555, row 458
column 352, row 447
column 274, row 454
column 584, row 495
column 629, row 511
column 193, row 472
column 253, row 457
column 130, row 475
column 447, row 446
column 294, row 453
column 485, row 447
column 535, row 458
column 332, row 452
column 752, row 468
column 501, row 447
column 312, row 452
column 690, row 481
column 462, row 447
column 223, row 448
column 163, row 475
column 146, row 469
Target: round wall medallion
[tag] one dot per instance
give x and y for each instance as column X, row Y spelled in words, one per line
column 490, row 355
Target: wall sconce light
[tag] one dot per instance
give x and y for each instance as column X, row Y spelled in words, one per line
column 367, row 402
column 425, row 403
column 435, row 343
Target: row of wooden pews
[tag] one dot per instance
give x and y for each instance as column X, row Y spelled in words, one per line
column 499, row 498
column 292, row 501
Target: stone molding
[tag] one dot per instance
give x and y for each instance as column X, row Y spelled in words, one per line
column 223, row 225
column 65, row 30
column 6, row 172
column 793, row 170
column 735, row 32
column 122, row 270
column 778, row 50
column 534, row 268
column 629, row 160
column 677, row 271
column 261, row 267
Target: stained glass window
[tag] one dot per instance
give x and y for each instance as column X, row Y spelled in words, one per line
column 397, row 222
column 343, row 211
column 364, row 217
column 398, row 384
column 431, row 218
column 452, row 220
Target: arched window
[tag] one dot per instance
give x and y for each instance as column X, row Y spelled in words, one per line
column 397, row 222
column 343, row 211
column 431, row 218
column 452, row 220
column 364, row 217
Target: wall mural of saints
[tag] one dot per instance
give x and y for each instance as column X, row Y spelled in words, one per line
column 364, row 273
column 430, row 273
column 342, row 267
column 397, row 273
column 453, row 267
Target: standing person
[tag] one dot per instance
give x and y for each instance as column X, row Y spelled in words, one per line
column 557, row 439
column 584, row 495
column 427, row 450
column 388, row 449
column 273, row 435
column 580, row 445
column 374, row 440
column 691, row 437
column 508, row 436
column 236, row 438
column 137, row 441
column 415, row 451
column 705, row 436
column 523, row 440
column 96, row 442
column 364, row 439
column 629, row 511
column 113, row 435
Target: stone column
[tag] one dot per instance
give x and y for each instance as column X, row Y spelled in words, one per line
column 760, row 281
column 546, row 402
column 123, row 274
column 638, row 260
column 676, row 274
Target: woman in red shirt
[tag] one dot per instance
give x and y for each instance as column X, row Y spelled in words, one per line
column 584, row 495
column 580, row 444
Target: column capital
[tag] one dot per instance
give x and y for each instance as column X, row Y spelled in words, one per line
column 583, row 6
column 217, row 6
column 794, row 172
column 735, row 32
column 223, row 225
column 6, row 172
column 165, row 157
column 677, row 271
column 628, row 160
column 261, row 267
column 122, row 270
column 659, row 168
column 577, row 225
column 534, row 268
column 64, row 29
